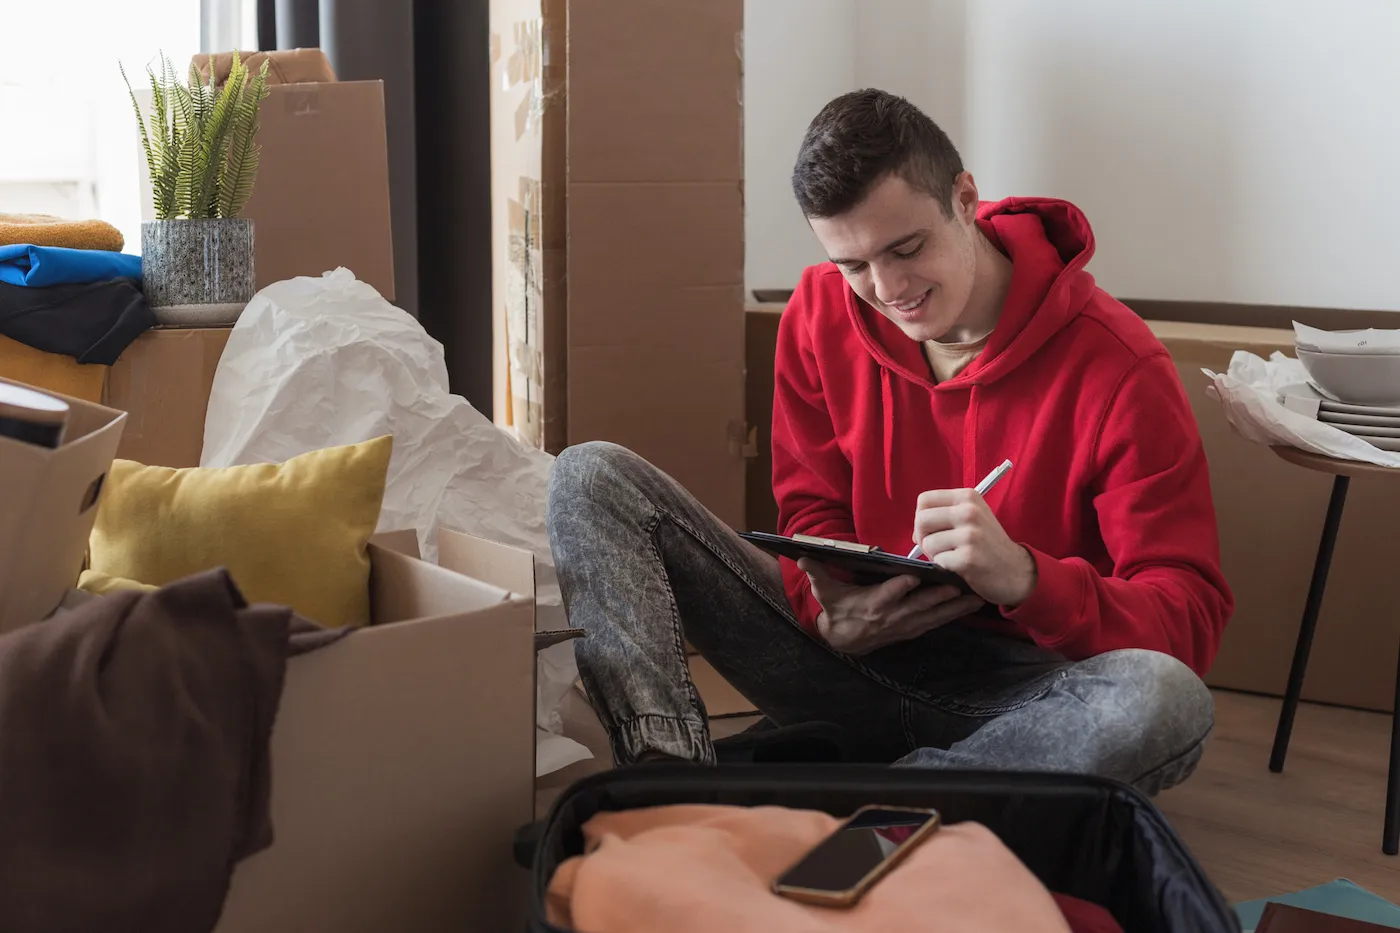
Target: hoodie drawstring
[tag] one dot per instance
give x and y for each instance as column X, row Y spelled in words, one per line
column 971, row 476
column 887, row 403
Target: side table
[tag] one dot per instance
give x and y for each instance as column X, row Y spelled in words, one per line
column 1342, row 471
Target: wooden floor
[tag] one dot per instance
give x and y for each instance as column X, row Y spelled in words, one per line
column 1258, row 833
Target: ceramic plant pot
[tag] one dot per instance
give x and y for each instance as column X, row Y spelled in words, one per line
column 197, row 269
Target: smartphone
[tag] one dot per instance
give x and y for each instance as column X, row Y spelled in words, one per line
column 842, row 867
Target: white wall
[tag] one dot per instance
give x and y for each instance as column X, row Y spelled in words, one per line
column 72, row 135
column 1232, row 150
column 798, row 54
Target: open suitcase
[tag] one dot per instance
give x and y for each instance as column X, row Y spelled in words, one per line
column 1085, row 837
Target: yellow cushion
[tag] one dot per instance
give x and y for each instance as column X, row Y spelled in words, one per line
column 294, row 533
column 100, row 584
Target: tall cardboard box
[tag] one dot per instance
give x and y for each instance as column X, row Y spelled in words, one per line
column 322, row 194
column 48, row 504
column 619, row 303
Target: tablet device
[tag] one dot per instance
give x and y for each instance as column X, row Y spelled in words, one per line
column 868, row 565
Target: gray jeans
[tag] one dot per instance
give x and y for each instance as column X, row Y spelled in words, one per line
column 643, row 566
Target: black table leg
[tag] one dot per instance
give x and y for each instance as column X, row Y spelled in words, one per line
column 1309, row 624
column 1390, row 843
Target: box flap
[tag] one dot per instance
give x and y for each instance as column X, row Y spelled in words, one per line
column 497, row 564
column 403, row 588
column 403, row 541
column 545, row 640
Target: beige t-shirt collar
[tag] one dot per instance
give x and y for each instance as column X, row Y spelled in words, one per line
column 949, row 359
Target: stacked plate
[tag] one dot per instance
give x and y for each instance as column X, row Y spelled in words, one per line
column 1378, row 425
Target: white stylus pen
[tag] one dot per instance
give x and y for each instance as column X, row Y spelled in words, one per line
column 990, row 480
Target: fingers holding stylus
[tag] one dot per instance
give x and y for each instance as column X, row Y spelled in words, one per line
column 958, row 531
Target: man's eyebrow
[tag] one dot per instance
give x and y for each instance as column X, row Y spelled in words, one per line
column 887, row 248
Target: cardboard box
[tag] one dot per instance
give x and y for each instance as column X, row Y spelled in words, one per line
column 322, row 195
column 1270, row 516
column 321, row 198
column 49, row 505
column 163, row 382
column 640, row 341
column 403, row 758
column 760, row 347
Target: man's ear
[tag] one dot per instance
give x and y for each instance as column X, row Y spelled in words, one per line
column 965, row 198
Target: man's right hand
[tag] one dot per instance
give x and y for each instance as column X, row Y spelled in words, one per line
column 860, row 619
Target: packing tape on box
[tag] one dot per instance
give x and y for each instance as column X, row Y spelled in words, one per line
column 527, row 360
column 522, row 300
column 525, row 66
column 525, row 61
column 530, row 427
column 495, row 47
column 532, row 201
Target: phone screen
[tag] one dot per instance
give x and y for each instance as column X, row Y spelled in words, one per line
column 840, row 861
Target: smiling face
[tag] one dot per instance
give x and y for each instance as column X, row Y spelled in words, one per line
column 905, row 257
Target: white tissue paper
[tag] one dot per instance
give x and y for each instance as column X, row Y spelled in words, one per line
column 1370, row 340
column 1252, row 391
column 321, row 362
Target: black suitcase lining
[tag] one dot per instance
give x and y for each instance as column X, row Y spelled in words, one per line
column 1084, row 837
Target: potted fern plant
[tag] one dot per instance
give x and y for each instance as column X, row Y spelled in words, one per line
column 201, row 151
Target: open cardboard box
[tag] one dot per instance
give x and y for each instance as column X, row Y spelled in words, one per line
column 48, row 504
column 403, row 758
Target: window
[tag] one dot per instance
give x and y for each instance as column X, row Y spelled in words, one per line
column 71, row 142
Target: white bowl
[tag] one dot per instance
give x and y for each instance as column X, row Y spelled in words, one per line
column 1359, row 378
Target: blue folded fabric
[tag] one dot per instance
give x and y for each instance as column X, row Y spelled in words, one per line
column 42, row 266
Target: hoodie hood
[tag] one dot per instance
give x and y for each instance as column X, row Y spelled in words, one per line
column 1048, row 242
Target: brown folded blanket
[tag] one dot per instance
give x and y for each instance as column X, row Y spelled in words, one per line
column 134, row 766
column 47, row 230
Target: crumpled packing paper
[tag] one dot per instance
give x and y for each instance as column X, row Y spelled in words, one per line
column 321, row 362
column 1370, row 340
column 1251, row 392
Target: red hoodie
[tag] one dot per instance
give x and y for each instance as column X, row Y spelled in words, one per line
column 1110, row 491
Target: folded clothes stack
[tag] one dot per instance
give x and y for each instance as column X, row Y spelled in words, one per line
column 68, row 296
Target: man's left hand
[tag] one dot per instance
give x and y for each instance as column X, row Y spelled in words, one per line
column 956, row 530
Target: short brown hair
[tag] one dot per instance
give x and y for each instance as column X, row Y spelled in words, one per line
column 861, row 137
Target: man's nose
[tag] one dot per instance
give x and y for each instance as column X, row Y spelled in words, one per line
column 889, row 284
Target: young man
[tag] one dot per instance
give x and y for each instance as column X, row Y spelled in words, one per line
column 944, row 336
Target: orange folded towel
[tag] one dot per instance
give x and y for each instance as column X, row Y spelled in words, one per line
column 701, row 869
column 47, row 230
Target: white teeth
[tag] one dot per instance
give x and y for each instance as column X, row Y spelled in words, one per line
column 912, row 305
